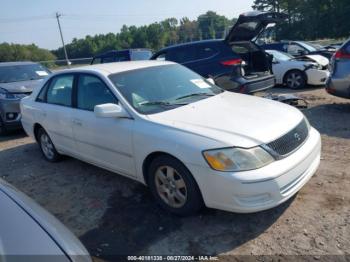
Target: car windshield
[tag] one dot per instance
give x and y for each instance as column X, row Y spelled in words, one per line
column 308, row 46
column 16, row 73
column 160, row 88
column 280, row 56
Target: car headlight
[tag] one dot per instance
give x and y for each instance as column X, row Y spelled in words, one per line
column 4, row 94
column 237, row 159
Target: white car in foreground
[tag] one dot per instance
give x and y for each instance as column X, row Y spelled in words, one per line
column 163, row 125
column 296, row 73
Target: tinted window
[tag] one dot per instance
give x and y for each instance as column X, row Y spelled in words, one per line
column 97, row 60
column 91, row 92
column 60, row 90
column 182, row 55
column 161, row 57
column 18, row 73
column 108, row 59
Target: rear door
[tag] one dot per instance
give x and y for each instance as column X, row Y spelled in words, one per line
column 55, row 111
column 251, row 24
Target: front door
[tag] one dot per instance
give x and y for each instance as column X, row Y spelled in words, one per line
column 106, row 142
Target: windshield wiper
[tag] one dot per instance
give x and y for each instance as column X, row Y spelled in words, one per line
column 160, row 103
column 194, row 94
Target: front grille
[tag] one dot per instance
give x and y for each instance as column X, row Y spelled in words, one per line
column 290, row 141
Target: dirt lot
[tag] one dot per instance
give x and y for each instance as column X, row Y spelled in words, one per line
column 114, row 215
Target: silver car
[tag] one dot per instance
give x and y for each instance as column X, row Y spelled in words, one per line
column 30, row 233
column 17, row 80
column 338, row 83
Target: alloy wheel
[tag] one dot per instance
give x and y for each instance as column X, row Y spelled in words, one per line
column 47, row 146
column 170, row 186
column 294, row 80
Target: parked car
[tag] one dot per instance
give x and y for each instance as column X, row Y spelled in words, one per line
column 167, row 127
column 30, row 233
column 298, row 48
column 122, row 55
column 338, row 84
column 296, row 73
column 235, row 63
column 17, row 80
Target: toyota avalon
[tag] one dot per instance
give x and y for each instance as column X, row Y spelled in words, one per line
column 189, row 141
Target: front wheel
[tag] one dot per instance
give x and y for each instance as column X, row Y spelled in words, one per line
column 47, row 147
column 173, row 186
column 295, row 79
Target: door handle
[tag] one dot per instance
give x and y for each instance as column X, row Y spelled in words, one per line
column 77, row 122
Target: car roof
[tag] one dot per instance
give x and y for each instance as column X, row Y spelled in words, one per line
column 191, row 43
column 115, row 52
column 118, row 67
column 17, row 63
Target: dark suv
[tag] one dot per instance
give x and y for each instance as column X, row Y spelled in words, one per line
column 235, row 63
column 122, row 55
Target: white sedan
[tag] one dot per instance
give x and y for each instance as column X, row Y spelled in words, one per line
column 296, row 73
column 165, row 126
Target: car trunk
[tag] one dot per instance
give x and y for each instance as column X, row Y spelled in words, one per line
column 255, row 62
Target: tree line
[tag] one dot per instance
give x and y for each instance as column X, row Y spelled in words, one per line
column 307, row 20
column 154, row 36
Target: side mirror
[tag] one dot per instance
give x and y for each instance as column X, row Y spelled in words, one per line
column 110, row 110
column 211, row 80
column 274, row 61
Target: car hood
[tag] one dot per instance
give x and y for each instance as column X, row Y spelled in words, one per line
column 21, row 86
column 233, row 119
column 323, row 61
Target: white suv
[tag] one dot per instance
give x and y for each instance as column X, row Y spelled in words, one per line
column 165, row 126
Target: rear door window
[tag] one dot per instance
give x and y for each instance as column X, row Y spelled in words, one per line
column 108, row 59
column 182, row 55
column 60, row 90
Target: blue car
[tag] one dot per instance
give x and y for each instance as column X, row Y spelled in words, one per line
column 235, row 63
column 122, row 55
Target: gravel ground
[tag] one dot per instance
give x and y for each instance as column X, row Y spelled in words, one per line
column 114, row 215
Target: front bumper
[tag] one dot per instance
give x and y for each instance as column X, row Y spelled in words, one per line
column 267, row 187
column 10, row 114
column 316, row 76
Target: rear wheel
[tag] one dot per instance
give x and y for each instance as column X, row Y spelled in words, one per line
column 295, row 79
column 3, row 130
column 47, row 147
column 173, row 186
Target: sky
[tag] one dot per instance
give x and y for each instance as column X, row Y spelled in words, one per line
column 34, row 21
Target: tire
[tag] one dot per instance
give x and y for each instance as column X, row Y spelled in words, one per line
column 177, row 193
column 3, row 130
column 47, row 147
column 295, row 79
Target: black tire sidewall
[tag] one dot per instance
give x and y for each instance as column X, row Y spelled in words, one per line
column 302, row 76
column 3, row 130
column 56, row 156
column 194, row 198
